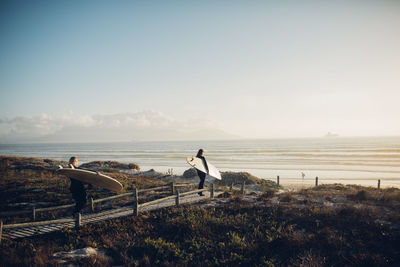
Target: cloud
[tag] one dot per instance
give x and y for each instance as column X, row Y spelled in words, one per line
column 146, row 125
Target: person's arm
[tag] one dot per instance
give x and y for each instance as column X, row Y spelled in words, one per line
column 205, row 164
column 97, row 172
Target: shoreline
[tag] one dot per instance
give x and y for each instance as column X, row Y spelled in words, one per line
column 284, row 180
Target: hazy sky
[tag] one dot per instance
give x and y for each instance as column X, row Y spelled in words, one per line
column 257, row 69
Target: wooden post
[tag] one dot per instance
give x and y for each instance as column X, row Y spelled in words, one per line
column 172, row 188
column 277, row 180
column 177, row 200
column 78, row 220
column 135, row 202
column 379, row 184
column 91, row 204
column 316, row 181
column 242, row 189
column 231, row 187
column 33, row 214
column 1, row 230
column 211, row 190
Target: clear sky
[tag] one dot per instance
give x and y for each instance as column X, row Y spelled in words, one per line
column 257, row 69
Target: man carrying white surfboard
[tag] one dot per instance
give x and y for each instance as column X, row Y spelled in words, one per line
column 201, row 174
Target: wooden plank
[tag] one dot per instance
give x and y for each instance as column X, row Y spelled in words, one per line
column 50, row 228
column 106, row 212
column 6, row 236
column 17, row 225
column 193, row 192
column 156, row 201
column 28, row 232
column 155, row 188
column 177, row 200
column 183, row 185
column 34, row 230
column 17, row 235
column 56, row 207
column 111, row 197
column 135, row 202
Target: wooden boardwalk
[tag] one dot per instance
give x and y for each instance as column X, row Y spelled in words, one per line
column 26, row 231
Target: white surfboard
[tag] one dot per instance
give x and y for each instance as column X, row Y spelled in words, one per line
column 198, row 164
column 92, row 177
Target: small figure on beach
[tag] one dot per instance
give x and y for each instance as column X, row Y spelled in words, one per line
column 303, row 175
column 201, row 174
column 77, row 188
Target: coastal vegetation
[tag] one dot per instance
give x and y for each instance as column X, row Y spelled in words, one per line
column 329, row 225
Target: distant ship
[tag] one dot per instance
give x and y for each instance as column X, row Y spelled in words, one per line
column 329, row 134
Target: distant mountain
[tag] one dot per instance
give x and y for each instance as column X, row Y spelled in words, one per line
column 141, row 126
column 94, row 134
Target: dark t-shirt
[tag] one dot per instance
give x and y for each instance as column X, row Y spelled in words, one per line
column 76, row 186
column 204, row 161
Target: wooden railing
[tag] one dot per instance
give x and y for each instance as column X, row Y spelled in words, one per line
column 317, row 181
column 175, row 194
column 92, row 201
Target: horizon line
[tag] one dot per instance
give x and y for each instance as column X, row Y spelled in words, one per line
column 203, row 140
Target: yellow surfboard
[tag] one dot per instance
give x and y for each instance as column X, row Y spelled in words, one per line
column 92, row 178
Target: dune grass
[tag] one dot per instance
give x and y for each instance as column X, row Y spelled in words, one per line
column 330, row 225
column 27, row 182
column 237, row 233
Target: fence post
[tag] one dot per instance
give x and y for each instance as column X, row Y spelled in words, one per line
column 135, row 202
column 231, row 187
column 316, row 181
column 379, row 184
column 33, row 214
column 91, row 204
column 277, row 180
column 78, row 220
column 211, row 190
column 242, row 189
column 1, row 230
column 172, row 188
column 177, row 200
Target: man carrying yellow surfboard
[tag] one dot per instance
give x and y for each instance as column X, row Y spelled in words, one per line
column 79, row 177
column 77, row 188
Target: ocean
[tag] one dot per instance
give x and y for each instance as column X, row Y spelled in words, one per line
column 349, row 160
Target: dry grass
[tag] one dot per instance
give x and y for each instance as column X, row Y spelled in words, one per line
column 236, row 233
column 387, row 196
column 361, row 230
column 38, row 184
